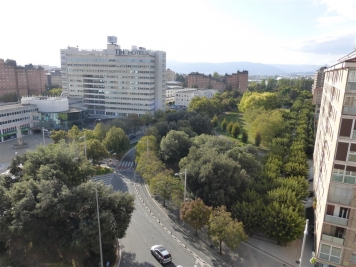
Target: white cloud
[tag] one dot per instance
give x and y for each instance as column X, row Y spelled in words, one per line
column 345, row 8
column 329, row 21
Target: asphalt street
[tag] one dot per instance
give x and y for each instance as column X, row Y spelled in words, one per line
column 151, row 226
column 144, row 231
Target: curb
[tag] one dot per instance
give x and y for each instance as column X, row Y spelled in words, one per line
column 246, row 243
column 169, row 232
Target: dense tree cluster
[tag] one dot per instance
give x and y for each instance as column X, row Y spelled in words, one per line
column 50, row 206
column 284, row 179
column 218, row 104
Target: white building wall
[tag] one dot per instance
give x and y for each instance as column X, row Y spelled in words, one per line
column 184, row 97
column 115, row 82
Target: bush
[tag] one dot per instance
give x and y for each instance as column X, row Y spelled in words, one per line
column 244, row 136
column 102, row 170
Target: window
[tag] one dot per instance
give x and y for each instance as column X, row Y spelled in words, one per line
column 330, row 253
column 353, row 258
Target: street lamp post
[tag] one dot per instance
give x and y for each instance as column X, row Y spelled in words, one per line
column 97, row 210
column 185, row 182
column 43, row 137
column 305, row 234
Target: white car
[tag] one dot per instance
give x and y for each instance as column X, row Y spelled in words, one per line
column 161, row 254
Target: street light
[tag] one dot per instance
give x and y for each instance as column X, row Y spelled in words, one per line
column 97, row 211
column 185, row 181
column 305, row 234
column 43, row 136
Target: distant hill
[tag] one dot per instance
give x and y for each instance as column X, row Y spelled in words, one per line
column 229, row 67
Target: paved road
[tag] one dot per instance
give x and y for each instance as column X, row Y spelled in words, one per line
column 144, row 231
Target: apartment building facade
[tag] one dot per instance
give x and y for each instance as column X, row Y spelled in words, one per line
column 54, row 79
column 238, row 80
column 23, row 81
column 115, row 82
column 335, row 167
column 170, row 75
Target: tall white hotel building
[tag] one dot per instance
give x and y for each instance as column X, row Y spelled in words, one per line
column 115, row 82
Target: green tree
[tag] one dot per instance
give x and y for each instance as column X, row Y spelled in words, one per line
column 154, row 132
column 224, row 124
column 116, row 141
column 222, row 228
column 244, row 136
column 58, row 135
column 100, row 131
column 216, row 74
column 54, row 92
column 282, row 222
column 229, row 127
column 254, row 100
column 9, row 97
column 258, row 139
column 174, row 146
column 119, row 124
column 215, row 178
column 201, row 124
column 235, row 131
column 147, row 118
column 298, row 184
column 146, row 143
column 96, row 151
column 149, row 166
column 134, row 122
column 269, row 124
column 215, row 121
column 195, row 213
column 74, row 133
column 164, row 184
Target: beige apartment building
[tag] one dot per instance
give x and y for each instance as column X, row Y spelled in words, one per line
column 170, row 75
column 335, row 167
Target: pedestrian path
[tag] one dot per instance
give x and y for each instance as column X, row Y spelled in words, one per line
column 126, row 165
column 106, row 178
column 3, row 167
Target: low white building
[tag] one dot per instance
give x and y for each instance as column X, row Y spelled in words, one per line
column 12, row 115
column 184, row 96
column 171, row 93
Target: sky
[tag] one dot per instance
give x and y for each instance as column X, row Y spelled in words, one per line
column 314, row 32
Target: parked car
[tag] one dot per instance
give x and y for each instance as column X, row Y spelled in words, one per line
column 131, row 136
column 161, row 254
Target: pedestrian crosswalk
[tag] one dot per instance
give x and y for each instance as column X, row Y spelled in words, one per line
column 126, row 165
column 106, row 178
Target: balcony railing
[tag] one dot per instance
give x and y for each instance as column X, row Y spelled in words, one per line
column 339, row 200
column 333, row 239
column 349, row 110
column 336, row 220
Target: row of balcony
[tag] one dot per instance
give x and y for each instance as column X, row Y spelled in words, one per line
column 333, row 239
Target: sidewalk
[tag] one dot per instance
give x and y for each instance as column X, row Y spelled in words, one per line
column 285, row 255
column 7, row 152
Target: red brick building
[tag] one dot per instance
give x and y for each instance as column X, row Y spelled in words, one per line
column 23, row 81
column 238, row 80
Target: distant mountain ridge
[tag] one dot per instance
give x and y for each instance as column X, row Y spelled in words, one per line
column 230, row 67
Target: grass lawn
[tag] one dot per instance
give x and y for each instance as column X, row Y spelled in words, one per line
column 234, row 116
